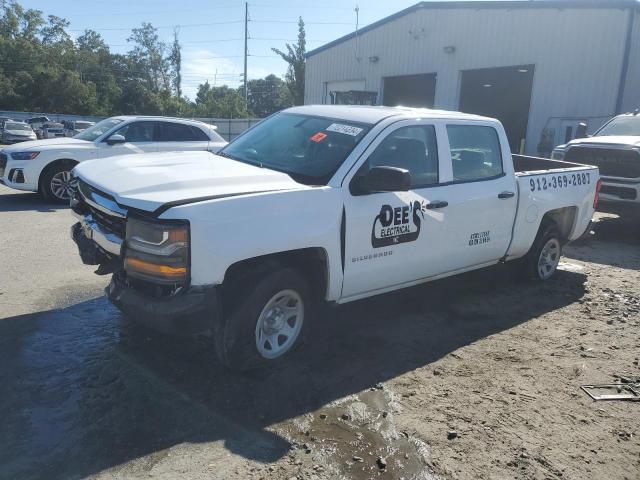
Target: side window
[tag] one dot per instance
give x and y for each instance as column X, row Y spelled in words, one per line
column 176, row 132
column 199, row 134
column 475, row 152
column 413, row 148
column 137, row 132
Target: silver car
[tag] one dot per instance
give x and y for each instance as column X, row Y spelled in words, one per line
column 52, row 130
column 14, row 132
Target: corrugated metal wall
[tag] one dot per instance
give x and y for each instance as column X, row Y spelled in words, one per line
column 577, row 55
column 631, row 99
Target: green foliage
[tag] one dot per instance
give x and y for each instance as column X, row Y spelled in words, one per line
column 295, row 57
column 43, row 69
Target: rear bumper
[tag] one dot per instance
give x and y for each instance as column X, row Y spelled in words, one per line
column 189, row 312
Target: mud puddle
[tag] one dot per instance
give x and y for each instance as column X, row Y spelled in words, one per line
column 356, row 438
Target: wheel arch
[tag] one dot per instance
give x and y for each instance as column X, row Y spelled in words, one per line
column 51, row 165
column 312, row 262
column 564, row 219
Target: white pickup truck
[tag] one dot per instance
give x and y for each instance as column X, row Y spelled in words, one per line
column 615, row 150
column 332, row 203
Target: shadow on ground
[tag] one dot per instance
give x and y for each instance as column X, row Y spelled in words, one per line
column 26, row 201
column 83, row 390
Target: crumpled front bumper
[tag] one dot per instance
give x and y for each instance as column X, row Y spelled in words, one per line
column 189, row 312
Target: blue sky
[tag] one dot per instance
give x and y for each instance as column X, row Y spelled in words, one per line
column 211, row 31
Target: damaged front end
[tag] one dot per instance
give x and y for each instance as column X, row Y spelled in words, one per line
column 149, row 259
column 99, row 233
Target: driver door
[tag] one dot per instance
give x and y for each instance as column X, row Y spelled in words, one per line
column 394, row 238
column 139, row 138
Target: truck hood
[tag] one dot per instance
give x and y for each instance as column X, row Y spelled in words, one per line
column 630, row 141
column 62, row 142
column 149, row 181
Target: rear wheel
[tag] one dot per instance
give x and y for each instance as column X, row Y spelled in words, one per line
column 542, row 260
column 56, row 182
column 266, row 321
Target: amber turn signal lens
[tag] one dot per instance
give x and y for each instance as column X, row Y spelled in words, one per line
column 167, row 271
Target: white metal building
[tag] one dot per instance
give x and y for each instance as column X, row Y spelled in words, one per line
column 541, row 66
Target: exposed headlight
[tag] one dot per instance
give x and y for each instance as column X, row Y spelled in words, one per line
column 24, row 155
column 557, row 155
column 157, row 251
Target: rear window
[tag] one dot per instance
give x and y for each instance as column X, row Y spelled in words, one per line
column 475, row 152
column 178, row 132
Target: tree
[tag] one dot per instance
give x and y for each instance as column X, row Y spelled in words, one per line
column 268, row 95
column 175, row 59
column 295, row 57
column 149, row 56
column 219, row 102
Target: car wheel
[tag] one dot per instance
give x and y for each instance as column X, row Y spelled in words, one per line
column 266, row 322
column 55, row 184
column 541, row 263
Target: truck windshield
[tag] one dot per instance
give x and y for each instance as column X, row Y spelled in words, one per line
column 626, row 125
column 93, row 132
column 310, row 149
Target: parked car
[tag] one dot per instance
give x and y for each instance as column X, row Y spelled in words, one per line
column 44, row 166
column 3, row 120
column 74, row 127
column 36, row 124
column 14, row 132
column 52, row 130
column 333, row 203
column 615, row 150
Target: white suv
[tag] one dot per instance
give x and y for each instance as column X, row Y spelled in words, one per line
column 44, row 165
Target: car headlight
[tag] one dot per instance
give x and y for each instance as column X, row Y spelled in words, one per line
column 557, row 155
column 157, row 251
column 24, row 155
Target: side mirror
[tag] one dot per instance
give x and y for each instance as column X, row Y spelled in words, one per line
column 115, row 139
column 383, row 179
column 581, row 131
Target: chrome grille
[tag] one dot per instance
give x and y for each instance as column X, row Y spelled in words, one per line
column 612, row 162
column 104, row 210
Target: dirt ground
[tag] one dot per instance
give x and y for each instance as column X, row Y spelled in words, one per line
column 473, row 377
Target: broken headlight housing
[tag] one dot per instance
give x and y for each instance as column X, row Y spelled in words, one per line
column 157, row 251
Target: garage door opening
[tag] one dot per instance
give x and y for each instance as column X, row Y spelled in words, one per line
column 410, row 90
column 503, row 93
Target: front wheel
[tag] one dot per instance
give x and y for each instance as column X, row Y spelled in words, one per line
column 542, row 260
column 56, row 183
column 266, row 321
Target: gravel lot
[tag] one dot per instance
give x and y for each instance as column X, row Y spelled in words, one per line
column 475, row 377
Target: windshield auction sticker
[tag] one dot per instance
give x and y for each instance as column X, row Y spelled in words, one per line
column 346, row 129
column 318, row 137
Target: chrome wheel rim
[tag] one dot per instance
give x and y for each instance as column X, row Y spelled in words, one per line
column 279, row 324
column 549, row 258
column 61, row 185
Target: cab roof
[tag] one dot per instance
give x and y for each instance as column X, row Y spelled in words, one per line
column 372, row 115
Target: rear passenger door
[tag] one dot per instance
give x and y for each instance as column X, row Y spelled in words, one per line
column 482, row 195
column 174, row 136
column 394, row 238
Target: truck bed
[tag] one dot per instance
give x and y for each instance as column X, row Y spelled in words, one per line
column 565, row 188
column 525, row 164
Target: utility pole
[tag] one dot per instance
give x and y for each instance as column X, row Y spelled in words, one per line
column 246, row 36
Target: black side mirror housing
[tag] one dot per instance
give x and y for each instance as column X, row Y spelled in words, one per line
column 115, row 139
column 581, row 131
column 383, row 179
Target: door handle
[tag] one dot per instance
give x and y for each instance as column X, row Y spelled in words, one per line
column 503, row 195
column 436, row 204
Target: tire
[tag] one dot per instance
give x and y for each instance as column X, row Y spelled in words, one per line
column 54, row 182
column 256, row 319
column 548, row 243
